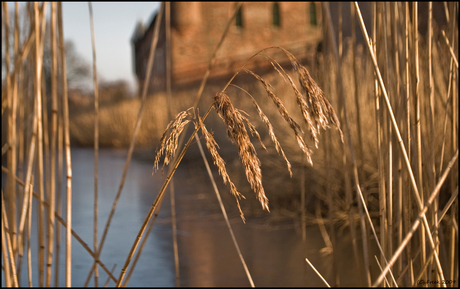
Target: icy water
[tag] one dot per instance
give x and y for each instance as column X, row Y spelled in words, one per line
column 275, row 255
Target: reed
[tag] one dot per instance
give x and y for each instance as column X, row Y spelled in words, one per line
column 391, row 180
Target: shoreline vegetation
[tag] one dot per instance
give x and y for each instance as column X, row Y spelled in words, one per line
column 386, row 169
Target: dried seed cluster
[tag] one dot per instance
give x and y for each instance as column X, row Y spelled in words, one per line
column 315, row 108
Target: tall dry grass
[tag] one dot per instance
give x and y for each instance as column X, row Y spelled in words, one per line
column 391, row 177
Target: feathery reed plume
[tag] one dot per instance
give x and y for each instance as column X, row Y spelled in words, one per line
column 252, row 128
column 300, row 101
column 169, row 146
column 237, row 133
column 271, row 131
column 220, row 163
column 283, row 111
column 317, row 104
column 312, row 104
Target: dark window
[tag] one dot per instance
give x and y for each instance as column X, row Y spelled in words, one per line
column 276, row 15
column 239, row 18
column 313, row 21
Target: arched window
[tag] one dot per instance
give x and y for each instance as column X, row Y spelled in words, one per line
column 239, row 18
column 313, row 20
column 276, row 15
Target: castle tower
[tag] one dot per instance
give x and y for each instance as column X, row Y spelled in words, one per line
column 185, row 16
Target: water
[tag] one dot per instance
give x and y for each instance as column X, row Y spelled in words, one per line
column 275, row 255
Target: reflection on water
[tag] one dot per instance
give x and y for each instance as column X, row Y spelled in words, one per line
column 206, row 253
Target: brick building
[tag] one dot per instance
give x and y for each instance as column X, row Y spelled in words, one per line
column 196, row 28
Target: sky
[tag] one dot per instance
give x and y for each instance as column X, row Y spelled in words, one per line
column 114, row 24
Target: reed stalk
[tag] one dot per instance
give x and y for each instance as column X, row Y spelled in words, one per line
column 200, row 91
column 133, row 140
column 415, row 225
column 397, row 36
column 11, row 98
column 64, row 223
column 170, row 114
column 52, row 184
column 17, row 136
column 237, row 133
column 29, row 232
column 409, row 169
column 389, row 138
column 138, row 253
column 154, row 205
column 96, row 139
column 224, row 212
column 41, row 221
column 60, row 139
column 434, row 214
column 379, row 130
column 355, row 171
column 7, row 249
column 408, row 197
column 316, row 271
column 68, row 162
column 416, row 78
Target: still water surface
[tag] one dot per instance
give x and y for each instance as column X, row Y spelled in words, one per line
column 207, row 256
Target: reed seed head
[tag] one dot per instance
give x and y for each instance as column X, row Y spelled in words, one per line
column 169, row 146
column 212, row 146
column 236, row 131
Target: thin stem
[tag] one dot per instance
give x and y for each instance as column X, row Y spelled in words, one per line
column 390, row 111
column 224, row 212
column 350, row 145
column 155, row 203
column 415, row 225
column 316, row 271
column 52, row 188
column 96, row 138
column 41, row 212
column 67, row 154
column 133, row 140
column 61, row 220
column 5, row 229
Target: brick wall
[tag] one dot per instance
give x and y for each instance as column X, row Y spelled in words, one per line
column 198, row 26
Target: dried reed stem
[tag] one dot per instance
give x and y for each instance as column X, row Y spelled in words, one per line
column 415, row 225
column 170, row 113
column 208, row 169
column 452, row 54
column 136, row 131
column 200, row 91
column 9, row 243
column 52, row 188
column 96, row 139
column 155, row 203
column 58, row 217
column 390, row 111
column 355, row 170
column 11, row 101
column 144, row 240
column 67, row 153
column 41, row 211
column 316, row 271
